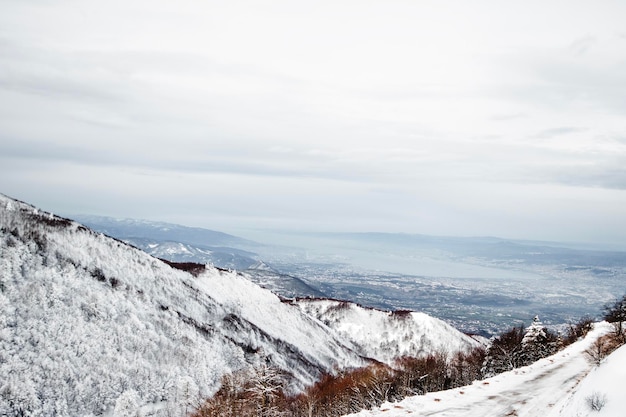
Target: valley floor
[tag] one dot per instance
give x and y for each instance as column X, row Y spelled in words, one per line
column 544, row 389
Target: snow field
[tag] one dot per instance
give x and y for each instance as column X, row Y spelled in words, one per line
column 606, row 383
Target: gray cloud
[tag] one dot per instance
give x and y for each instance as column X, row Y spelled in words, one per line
column 35, row 70
column 250, row 162
column 560, row 131
column 503, row 117
column 563, row 84
column 582, row 45
column 611, row 175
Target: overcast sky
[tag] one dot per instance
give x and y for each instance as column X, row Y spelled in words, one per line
column 435, row 117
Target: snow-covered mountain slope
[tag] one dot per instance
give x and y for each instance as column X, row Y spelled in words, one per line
column 86, row 317
column 542, row 389
column 604, row 385
column 384, row 335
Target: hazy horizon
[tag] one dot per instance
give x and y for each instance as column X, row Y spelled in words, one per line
column 300, row 236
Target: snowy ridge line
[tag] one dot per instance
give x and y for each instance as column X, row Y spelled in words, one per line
column 385, row 335
column 337, row 300
column 399, row 313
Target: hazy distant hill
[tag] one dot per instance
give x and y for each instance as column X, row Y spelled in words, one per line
column 178, row 243
column 161, row 231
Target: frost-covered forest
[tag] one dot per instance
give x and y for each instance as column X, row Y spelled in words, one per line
column 91, row 325
column 86, row 318
column 79, row 324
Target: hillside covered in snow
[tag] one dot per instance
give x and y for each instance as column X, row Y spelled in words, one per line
column 385, row 335
column 88, row 320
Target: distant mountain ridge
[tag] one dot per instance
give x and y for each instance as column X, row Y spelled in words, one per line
column 161, row 231
column 478, row 246
column 176, row 242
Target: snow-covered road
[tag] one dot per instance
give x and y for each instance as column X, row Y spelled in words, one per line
column 540, row 389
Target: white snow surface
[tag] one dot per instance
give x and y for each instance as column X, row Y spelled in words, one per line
column 386, row 336
column 607, row 381
column 86, row 317
column 557, row 386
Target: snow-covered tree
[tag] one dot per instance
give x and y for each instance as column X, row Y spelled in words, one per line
column 535, row 332
column 187, row 395
column 616, row 313
column 264, row 388
column 537, row 343
column 519, row 347
column 127, row 405
column 18, row 398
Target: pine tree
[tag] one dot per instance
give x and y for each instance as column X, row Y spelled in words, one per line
column 537, row 343
column 534, row 332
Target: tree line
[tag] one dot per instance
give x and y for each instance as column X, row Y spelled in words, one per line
column 260, row 392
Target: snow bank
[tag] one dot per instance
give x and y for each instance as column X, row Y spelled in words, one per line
column 604, row 386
